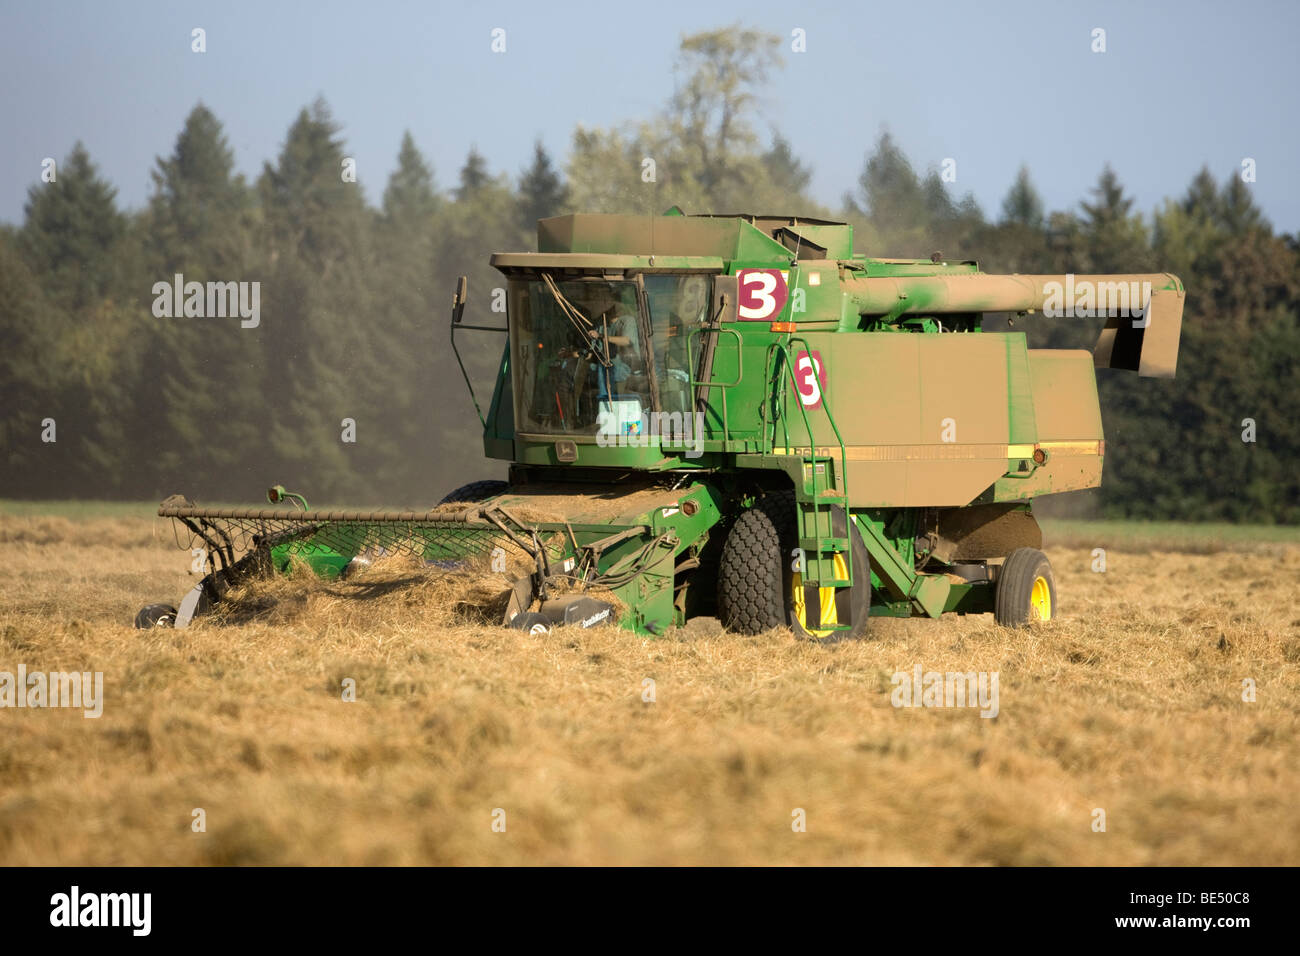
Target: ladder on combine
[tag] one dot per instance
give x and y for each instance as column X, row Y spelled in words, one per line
column 822, row 493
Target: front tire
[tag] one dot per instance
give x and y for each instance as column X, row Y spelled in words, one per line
column 474, row 491
column 1026, row 591
column 758, row 588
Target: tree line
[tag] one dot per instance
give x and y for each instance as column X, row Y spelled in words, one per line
column 103, row 398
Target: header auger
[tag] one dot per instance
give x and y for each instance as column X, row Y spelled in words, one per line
column 737, row 415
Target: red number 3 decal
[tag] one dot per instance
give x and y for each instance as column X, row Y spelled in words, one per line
column 809, row 378
column 762, row 294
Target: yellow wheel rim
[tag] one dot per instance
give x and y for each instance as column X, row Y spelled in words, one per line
column 826, row 597
column 1040, row 600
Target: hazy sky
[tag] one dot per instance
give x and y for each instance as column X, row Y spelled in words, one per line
column 992, row 85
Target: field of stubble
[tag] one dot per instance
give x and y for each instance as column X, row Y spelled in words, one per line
column 1131, row 703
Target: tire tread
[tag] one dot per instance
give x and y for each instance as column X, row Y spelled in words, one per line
column 1016, row 584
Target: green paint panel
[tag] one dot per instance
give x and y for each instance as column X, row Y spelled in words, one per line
column 1020, row 396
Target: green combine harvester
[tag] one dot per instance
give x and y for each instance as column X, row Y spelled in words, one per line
column 738, row 416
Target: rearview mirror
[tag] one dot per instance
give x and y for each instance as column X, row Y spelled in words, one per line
column 725, row 295
column 458, row 300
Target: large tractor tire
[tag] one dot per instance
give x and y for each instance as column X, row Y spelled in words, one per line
column 474, row 491
column 759, row 589
column 1026, row 590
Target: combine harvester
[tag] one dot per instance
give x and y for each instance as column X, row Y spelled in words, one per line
column 737, row 416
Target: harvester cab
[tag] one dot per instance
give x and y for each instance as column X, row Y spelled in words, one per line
column 738, row 416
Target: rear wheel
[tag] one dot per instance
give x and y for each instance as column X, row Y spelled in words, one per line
column 474, row 491
column 1026, row 589
column 759, row 589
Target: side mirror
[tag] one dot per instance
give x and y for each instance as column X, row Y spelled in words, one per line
column 458, row 300
column 725, row 296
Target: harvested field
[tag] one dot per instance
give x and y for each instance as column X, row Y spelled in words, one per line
column 1131, row 703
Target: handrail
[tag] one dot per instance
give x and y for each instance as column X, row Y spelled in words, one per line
column 782, row 349
column 740, row 358
column 826, row 407
column 694, row 383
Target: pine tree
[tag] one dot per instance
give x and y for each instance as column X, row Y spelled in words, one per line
column 784, row 170
column 198, row 200
column 198, row 406
column 892, row 198
column 473, row 175
column 1114, row 237
column 323, row 363
column 1111, row 205
column 542, row 192
column 408, row 296
column 1202, row 198
column 71, row 230
column 32, row 384
column 75, row 242
column 1022, row 205
column 1238, row 210
column 410, row 200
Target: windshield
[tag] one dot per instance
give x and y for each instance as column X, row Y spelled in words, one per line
column 678, row 306
column 577, row 353
column 585, row 364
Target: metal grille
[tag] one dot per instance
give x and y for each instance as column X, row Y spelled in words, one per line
column 433, row 536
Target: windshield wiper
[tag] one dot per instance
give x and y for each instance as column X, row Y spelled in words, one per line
column 579, row 321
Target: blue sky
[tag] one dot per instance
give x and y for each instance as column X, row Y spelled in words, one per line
column 992, row 85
